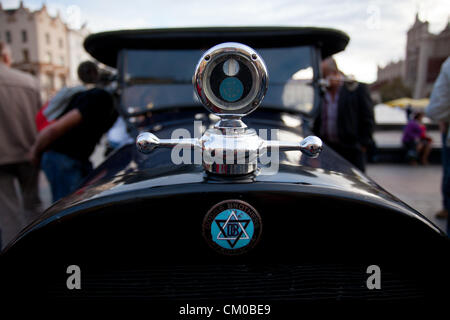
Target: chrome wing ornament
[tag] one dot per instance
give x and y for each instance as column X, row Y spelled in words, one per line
column 230, row 80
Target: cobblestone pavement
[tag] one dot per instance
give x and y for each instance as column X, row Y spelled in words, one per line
column 418, row 186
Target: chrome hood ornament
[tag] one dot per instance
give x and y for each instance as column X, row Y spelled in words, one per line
column 230, row 80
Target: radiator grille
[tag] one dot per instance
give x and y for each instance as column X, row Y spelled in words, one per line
column 285, row 283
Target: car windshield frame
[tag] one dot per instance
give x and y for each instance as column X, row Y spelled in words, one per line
column 137, row 76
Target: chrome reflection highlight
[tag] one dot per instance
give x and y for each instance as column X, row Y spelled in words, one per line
column 311, row 146
column 146, row 142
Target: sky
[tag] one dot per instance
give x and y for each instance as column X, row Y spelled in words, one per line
column 377, row 28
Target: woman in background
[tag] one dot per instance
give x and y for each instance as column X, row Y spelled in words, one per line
column 416, row 141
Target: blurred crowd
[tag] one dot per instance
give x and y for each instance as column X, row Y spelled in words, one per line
column 57, row 138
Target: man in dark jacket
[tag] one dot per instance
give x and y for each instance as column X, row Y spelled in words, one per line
column 66, row 144
column 345, row 121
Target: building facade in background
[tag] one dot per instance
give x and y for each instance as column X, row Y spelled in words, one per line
column 391, row 71
column 77, row 54
column 425, row 52
column 43, row 46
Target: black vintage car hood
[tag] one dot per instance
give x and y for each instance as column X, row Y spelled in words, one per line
column 128, row 174
column 142, row 212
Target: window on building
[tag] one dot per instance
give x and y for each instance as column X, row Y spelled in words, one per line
column 26, row 56
column 63, row 81
column 24, row 36
column 61, row 43
column 8, row 36
column 61, row 60
column 49, row 57
column 47, row 38
column 50, row 81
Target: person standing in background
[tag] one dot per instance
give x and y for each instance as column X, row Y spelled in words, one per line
column 439, row 110
column 19, row 104
column 64, row 146
column 409, row 112
column 345, row 121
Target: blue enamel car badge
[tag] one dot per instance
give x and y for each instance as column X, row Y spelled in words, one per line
column 232, row 227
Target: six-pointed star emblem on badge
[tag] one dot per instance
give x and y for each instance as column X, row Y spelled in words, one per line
column 232, row 229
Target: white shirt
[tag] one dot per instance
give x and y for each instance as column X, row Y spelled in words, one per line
column 439, row 106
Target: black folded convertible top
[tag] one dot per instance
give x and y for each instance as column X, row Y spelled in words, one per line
column 105, row 46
